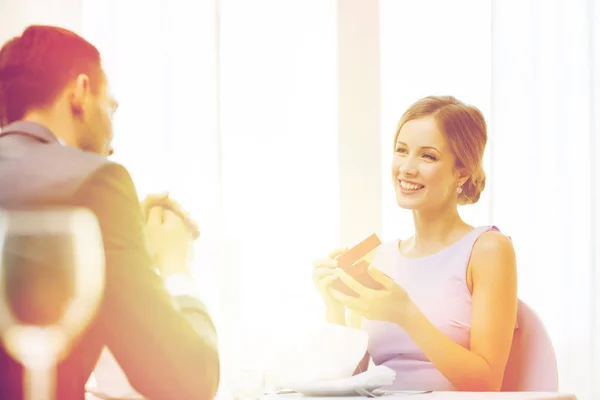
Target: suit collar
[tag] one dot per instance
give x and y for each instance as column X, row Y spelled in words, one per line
column 32, row 129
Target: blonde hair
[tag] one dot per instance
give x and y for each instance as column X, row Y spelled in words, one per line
column 466, row 132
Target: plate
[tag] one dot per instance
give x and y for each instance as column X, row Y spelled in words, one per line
column 330, row 389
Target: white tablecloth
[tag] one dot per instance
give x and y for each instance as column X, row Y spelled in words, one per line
column 445, row 396
column 429, row 396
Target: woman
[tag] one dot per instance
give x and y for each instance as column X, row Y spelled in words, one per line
column 446, row 316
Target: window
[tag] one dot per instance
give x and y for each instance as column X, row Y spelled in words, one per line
column 446, row 52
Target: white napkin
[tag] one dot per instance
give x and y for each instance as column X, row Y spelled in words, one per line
column 370, row 380
column 111, row 380
column 329, row 353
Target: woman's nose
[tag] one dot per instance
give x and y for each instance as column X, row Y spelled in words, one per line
column 408, row 167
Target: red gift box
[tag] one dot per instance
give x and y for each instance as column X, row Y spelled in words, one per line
column 351, row 262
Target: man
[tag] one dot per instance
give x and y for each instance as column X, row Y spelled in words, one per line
column 55, row 113
column 171, row 233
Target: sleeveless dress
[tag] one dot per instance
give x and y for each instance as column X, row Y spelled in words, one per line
column 437, row 284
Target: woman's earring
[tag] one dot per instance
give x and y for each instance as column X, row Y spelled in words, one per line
column 459, row 189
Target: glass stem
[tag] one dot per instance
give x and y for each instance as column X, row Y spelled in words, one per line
column 40, row 382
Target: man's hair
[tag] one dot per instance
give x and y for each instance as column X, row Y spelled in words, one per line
column 38, row 65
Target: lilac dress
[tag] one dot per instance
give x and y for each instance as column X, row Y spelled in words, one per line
column 437, row 284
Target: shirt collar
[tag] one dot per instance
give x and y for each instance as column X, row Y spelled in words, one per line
column 38, row 131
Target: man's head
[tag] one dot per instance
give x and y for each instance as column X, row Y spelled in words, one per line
column 54, row 77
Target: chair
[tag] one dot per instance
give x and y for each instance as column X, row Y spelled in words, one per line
column 532, row 361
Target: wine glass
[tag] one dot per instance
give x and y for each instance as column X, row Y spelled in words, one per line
column 51, row 282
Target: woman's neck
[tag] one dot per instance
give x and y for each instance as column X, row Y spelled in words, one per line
column 437, row 228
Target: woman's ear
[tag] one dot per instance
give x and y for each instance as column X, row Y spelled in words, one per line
column 463, row 176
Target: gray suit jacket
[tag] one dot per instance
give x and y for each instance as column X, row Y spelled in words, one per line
column 162, row 354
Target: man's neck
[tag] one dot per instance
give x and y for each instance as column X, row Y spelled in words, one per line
column 58, row 129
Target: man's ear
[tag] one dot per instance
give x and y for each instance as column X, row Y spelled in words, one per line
column 80, row 95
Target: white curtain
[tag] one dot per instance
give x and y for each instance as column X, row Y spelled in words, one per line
column 16, row 15
column 161, row 61
column 231, row 105
column 545, row 91
column 279, row 165
column 532, row 67
column 432, row 47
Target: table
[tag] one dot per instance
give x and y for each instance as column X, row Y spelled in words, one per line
column 444, row 396
column 429, row 396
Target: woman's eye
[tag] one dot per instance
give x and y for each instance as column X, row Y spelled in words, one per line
column 400, row 150
column 430, row 157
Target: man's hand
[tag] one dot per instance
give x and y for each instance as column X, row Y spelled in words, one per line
column 163, row 200
column 171, row 232
column 170, row 239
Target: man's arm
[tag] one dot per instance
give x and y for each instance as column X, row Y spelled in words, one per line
column 161, row 353
column 195, row 311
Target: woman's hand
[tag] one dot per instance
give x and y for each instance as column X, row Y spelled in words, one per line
column 391, row 303
column 323, row 276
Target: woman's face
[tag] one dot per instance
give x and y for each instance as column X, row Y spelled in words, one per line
column 423, row 170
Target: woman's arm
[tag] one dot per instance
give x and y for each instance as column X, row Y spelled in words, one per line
column 494, row 302
column 363, row 365
column 335, row 315
column 355, row 321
